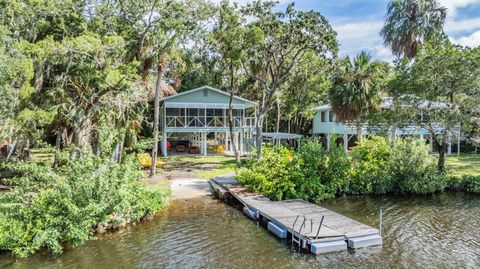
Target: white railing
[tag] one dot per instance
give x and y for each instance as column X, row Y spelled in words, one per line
column 207, row 121
column 411, row 128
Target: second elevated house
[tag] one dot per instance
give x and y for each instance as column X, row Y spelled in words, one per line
column 325, row 125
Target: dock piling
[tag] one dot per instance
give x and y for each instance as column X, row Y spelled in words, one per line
column 380, row 222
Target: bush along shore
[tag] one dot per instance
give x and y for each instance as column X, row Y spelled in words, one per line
column 374, row 166
column 54, row 208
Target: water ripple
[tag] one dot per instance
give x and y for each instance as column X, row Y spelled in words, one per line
column 432, row 231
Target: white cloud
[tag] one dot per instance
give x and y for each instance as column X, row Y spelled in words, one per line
column 472, row 40
column 384, row 53
column 355, row 37
column 358, row 31
column 457, row 29
column 454, row 5
column 452, row 26
column 364, row 35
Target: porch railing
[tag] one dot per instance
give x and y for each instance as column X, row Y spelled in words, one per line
column 208, row 121
column 404, row 128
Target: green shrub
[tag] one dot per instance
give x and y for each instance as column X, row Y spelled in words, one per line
column 53, row 208
column 472, row 183
column 375, row 165
column 403, row 167
column 413, row 169
column 370, row 172
column 312, row 173
column 274, row 174
column 326, row 172
column 468, row 183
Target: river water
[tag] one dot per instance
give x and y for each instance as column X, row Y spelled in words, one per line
column 434, row 231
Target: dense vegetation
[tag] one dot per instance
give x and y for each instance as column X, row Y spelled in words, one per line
column 54, row 208
column 86, row 77
column 69, row 69
column 374, row 166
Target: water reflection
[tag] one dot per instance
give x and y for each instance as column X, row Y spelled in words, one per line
column 435, row 231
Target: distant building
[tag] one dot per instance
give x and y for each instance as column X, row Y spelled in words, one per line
column 325, row 125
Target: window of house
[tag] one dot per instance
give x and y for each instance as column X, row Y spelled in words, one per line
column 322, row 116
column 330, row 116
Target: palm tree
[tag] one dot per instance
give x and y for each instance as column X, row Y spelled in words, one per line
column 356, row 91
column 409, row 22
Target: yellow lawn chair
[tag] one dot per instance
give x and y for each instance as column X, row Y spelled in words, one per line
column 218, row 148
column 146, row 160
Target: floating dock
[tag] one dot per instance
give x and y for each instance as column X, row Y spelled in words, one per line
column 308, row 226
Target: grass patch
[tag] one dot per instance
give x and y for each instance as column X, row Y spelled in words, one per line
column 464, row 164
column 217, row 172
column 180, row 161
column 161, row 186
column 202, row 167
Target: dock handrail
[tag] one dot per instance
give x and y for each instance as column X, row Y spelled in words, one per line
column 295, row 222
column 319, row 227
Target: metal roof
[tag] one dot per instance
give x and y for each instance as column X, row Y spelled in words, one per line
column 282, row 135
column 247, row 102
column 387, row 102
column 323, row 107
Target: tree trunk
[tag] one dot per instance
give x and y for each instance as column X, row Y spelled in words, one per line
column 10, row 150
column 266, row 102
column 277, row 124
column 230, row 128
column 230, row 116
column 258, row 134
column 300, row 125
column 82, row 136
column 441, row 148
column 25, row 152
column 277, row 121
column 38, row 78
column 294, row 123
column 67, row 137
column 359, row 130
column 58, row 145
column 158, row 93
column 121, row 147
column 394, row 134
column 441, row 160
column 58, row 139
column 96, row 144
column 265, row 119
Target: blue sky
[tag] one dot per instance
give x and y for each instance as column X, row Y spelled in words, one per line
column 358, row 22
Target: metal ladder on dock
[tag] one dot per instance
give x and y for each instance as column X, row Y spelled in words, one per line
column 296, row 236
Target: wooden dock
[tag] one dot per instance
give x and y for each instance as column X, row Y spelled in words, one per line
column 308, row 225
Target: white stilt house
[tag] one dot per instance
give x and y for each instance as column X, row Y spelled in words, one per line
column 199, row 118
column 325, row 124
